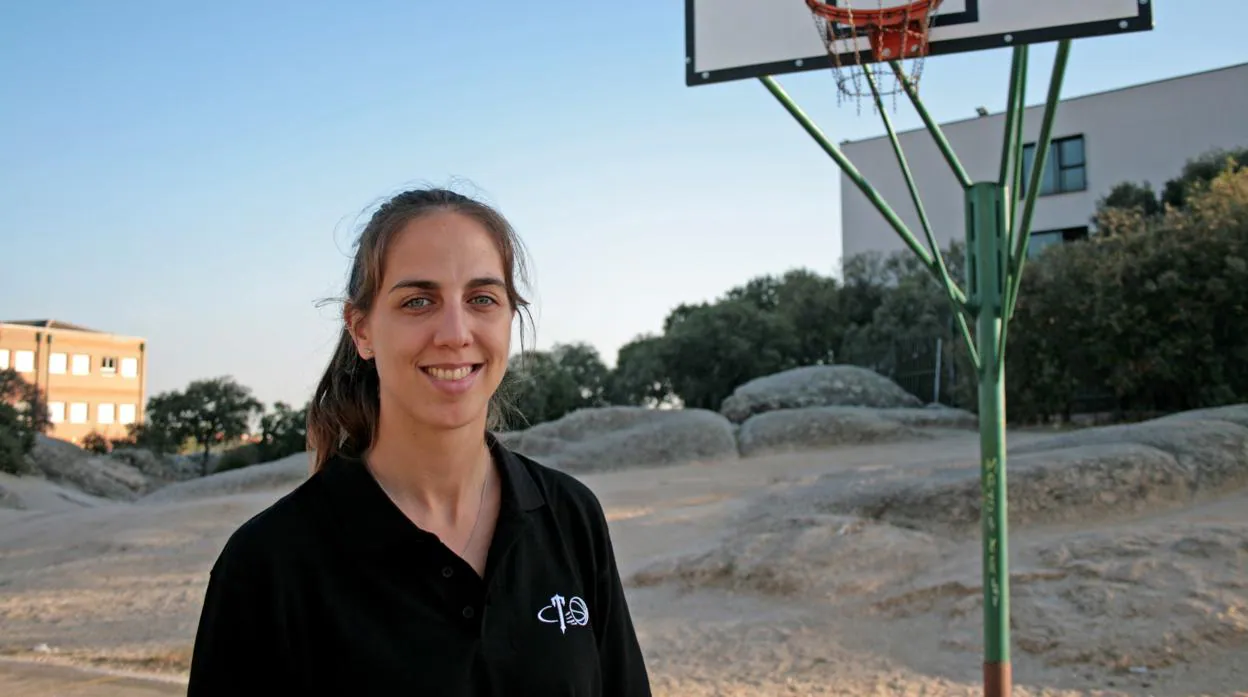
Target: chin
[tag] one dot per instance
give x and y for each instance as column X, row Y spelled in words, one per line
column 450, row 418
column 436, row 411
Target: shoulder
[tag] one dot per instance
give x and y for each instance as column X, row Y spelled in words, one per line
column 272, row 537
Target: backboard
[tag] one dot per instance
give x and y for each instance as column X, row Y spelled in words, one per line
column 738, row 39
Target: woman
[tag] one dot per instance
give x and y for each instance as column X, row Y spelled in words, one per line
column 422, row 557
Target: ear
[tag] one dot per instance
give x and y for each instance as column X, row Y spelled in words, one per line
column 357, row 325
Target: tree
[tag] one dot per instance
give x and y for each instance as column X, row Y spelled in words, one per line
column 15, row 440
column 23, row 414
column 95, row 442
column 640, row 377
column 545, row 385
column 712, row 348
column 27, row 399
column 220, row 411
column 585, row 367
column 208, row 412
column 809, row 303
column 910, row 308
column 283, row 431
column 167, row 423
column 1200, row 171
column 1127, row 209
column 1156, row 319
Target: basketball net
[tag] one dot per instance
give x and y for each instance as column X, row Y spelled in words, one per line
column 897, row 33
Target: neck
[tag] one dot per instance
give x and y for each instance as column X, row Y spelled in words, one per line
column 439, row 470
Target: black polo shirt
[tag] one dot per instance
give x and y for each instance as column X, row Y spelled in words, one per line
column 332, row 590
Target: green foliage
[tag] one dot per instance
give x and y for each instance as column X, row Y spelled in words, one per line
column 640, row 376
column 808, row 303
column 242, row 456
column 208, row 412
column 283, row 432
column 1132, row 208
column 545, row 385
column 1198, row 172
column 1157, row 317
column 710, row 349
column 15, row 440
column 23, row 414
column 166, row 425
column 1129, row 195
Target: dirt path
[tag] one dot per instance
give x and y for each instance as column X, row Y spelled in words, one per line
column 123, row 584
column 29, row 679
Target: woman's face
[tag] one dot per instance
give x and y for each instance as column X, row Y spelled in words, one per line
column 440, row 327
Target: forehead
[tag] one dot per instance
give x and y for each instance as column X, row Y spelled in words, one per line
column 444, row 247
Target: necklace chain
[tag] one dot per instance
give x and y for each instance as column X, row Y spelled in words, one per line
column 480, row 505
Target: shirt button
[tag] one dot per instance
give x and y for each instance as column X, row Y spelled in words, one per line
column 447, row 572
column 469, row 612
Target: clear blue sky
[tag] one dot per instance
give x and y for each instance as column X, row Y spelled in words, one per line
column 194, row 173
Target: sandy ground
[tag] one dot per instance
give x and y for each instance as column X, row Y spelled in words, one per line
column 730, row 597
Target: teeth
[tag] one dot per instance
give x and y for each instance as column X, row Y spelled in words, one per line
column 457, row 374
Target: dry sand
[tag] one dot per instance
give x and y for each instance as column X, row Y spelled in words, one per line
column 730, row 597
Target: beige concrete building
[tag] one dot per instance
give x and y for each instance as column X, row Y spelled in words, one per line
column 92, row 380
column 1137, row 133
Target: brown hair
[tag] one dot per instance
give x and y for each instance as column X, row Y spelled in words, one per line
column 343, row 414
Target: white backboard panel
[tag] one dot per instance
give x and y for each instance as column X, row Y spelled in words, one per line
column 739, row 39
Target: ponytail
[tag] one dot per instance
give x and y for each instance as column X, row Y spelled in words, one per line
column 342, row 418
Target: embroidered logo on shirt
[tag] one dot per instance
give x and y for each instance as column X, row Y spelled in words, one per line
column 569, row 612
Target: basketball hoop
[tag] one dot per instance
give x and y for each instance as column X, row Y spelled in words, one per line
column 895, row 33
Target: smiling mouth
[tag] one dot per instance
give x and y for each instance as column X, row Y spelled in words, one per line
column 452, row 374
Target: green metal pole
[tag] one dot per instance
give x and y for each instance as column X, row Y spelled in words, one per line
column 1013, row 117
column 1022, row 234
column 1020, row 230
column 996, row 244
column 986, row 273
column 856, row 177
column 934, row 128
column 1016, row 177
column 1011, row 149
column 951, row 287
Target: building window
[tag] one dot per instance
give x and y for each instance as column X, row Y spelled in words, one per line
column 104, row 413
column 4, row 359
column 108, row 365
column 125, row 413
column 1065, row 170
column 24, row 361
column 78, row 413
column 129, row 367
column 57, row 363
column 56, row 412
column 81, row 364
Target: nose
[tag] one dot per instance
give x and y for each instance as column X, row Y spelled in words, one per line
column 453, row 329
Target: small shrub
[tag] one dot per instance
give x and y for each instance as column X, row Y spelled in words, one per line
column 15, row 441
column 240, row 457
column 23, row 414
column 95, row 442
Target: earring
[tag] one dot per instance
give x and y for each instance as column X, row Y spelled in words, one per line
column 368, row 352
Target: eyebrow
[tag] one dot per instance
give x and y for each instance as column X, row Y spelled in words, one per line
column 434, row 285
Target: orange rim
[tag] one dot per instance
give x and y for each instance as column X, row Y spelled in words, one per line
column 915, row 12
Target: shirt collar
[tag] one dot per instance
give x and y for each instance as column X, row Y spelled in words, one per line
column 359, row 508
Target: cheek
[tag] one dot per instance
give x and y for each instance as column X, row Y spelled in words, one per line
column 404, row 340
column 503, row 340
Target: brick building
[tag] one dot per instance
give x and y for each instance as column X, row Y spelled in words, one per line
column 92, row 380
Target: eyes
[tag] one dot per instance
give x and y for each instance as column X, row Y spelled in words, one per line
column 421, row 302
